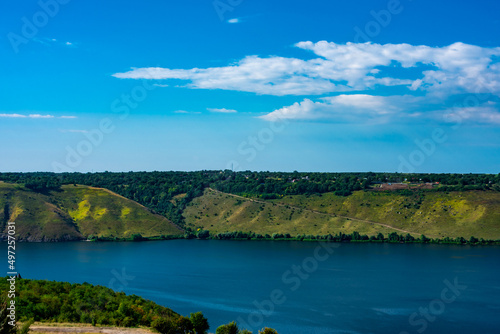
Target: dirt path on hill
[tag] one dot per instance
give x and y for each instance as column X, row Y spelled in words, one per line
column 86, row 329
column 313, row 211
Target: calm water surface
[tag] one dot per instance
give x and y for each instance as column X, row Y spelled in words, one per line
column 294, row 287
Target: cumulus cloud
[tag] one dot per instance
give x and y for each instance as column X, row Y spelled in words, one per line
column 362, row 108
column 347, row 67
column 342, row 108
column 480, row 114
column 354, row 74
column 222, row 110
column 235, row 20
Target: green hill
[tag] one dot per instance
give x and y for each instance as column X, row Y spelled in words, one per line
column 435, row 214
column 63, row 302
column 76, row 212
column 49, row 206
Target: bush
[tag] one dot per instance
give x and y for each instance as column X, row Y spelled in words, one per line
column 268, row 331
column 230, row 328
column 203, row 234
column 200, row 323
column 137, row 237
column 164, row 326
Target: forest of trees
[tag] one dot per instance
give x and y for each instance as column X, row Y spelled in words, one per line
column 157, row 190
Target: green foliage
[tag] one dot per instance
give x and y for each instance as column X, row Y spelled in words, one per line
column 268, row 330
column 83, row 303
column 184, row 325
column 5, row 328
column 230, row 328
column 164, row 326
column 352, row 237
column 200, row 323
column 203, row 234
column 42, row 184
column 181, row 325
column 137, row 237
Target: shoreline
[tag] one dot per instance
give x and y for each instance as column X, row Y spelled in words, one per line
column 385, row 241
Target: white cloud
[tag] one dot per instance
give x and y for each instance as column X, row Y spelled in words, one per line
column 347, row 67
column 74, row 131
column 186, row 112
column 34, row 116
column 235, row 20
column 13, row 115
column 362, row 108
column 479, row 114
column 40, row 116
column 53, row 41
column 222, row 110
column 341, row 108
column 355, row 72
column 306, row 109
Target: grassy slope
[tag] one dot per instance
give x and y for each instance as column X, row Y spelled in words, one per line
column 37, row 219
column 219, row 212
column 76, row 212
column 433, row 214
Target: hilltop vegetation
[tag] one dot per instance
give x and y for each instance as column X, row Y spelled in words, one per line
column 438, row 205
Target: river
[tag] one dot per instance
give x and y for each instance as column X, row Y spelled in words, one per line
column 294, row 287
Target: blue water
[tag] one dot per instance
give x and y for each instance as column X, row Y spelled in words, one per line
column 343, row 288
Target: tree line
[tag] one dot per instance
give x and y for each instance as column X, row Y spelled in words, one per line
column 393, row 237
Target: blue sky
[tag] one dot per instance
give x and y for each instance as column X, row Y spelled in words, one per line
column 260, row 85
